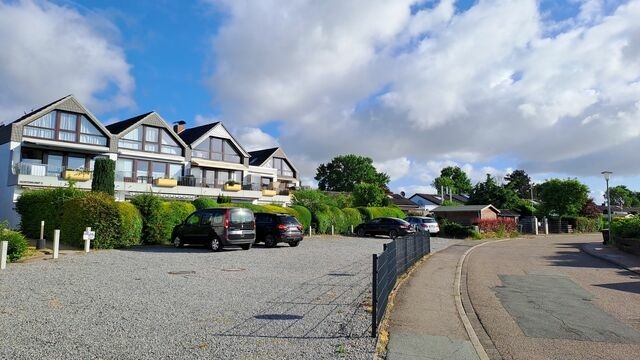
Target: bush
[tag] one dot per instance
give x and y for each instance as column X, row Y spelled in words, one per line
column 172, row 213
column 222, row 199
column 18, row 244
column 104, row 172
column 204, row 203
column 130, row 224
column 587, row 225
column 304, row 215
column 338, row 221
column 501, row 225
column 455, row 230
column 352, row 218
column 626, row 227
column 96, row 210
column 369, row 213
column 322, row 219
column 38, row 205
column 149, row 207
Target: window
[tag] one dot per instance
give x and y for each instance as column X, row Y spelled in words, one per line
column 217, row 149
column 145, row 169
column 283, row 167
column 65, row 126
column 76, row 162
column 194, row 219
column 217, row 177
column 150, row 139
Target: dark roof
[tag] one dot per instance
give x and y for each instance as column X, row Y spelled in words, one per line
column 193, row 134
column 509, row 213
column 260, row 156
column 464, row 208
column 460, row 198
column 436, row 199
column 402, row 202
column 40, row 109
column 120, row 126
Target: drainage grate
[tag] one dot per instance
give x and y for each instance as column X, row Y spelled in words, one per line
column 234, row 269
column 279, row 317
column 341, row 274
column 182, row 272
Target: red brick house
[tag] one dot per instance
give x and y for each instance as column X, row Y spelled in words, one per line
column 467, row 214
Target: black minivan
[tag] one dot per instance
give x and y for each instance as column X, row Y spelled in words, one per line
column 217, row 228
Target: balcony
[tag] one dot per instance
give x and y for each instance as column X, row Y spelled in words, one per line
column 165, row 182
column 76, row 175
column 43, row 175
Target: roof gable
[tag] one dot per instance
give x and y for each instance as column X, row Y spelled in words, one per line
column 194, row 136
column 121, row 128
column 260, row 157
column 465, row 208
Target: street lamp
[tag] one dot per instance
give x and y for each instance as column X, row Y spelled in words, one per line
column 607, row 175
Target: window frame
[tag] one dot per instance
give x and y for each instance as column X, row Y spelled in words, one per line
column 221, row 154
column 158, row 143
column 58, row 129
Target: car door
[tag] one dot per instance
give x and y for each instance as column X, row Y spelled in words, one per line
column 263, row 222
column 385, row 226
column 190, row 228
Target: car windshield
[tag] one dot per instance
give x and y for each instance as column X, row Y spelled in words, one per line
column 289, row 220
column 430, row 220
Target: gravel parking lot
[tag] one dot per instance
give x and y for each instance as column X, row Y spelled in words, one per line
column 160, row 302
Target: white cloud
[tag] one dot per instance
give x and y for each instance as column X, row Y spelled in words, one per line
column 439, row 86
column 255, row 139
column 395, row 168
column 49, row 51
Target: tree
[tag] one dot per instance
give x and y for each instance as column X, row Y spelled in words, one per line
column 345, row 171
column 562, row 197
column 104, row 172
column 622, row 196
column 369, row 195
column 310, row 199
column 454, row 178
column 590, row 209
column 519, row 182
column 489, row 192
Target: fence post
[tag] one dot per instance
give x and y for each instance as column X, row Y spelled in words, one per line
column 3, row 254
column 86, row 239
column 332, row 230
column 545, row 221
column 56, row 243
column 374, row 297
column 352, row 229
column 535, row 225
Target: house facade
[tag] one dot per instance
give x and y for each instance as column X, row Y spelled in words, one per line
column 60, row 141
column 467, row 214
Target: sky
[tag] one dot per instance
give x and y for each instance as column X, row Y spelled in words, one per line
column 549, row 87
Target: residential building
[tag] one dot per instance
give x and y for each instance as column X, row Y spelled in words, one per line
column 431, row 201
column 403, row 203
column 59, row 142
column 467, row 214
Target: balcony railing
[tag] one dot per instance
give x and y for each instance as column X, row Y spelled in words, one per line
column 57, row 171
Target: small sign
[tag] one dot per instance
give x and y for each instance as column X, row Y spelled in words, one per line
column 88, row 235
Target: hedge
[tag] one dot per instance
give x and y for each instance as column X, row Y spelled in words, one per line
column 369, row 213
column 131, row 224
column 149, row 206
column 587, row 225
column 18, row 244
column 455, row 230
column 626, row 227
column 304, row 215
column 98, row 211
column 352, row 217
column 172, row 213
column 204, row 203
column 47, row 204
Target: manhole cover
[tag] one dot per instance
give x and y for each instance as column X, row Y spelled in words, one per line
column 183, row 272
column 234, row 269
column 279, row 317
column 340, row 274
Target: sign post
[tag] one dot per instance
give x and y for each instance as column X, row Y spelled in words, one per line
column 87, row 236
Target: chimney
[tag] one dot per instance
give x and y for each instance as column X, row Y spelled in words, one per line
column 178, row 126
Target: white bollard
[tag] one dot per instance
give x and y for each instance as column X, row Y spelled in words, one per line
column 3, row 255
column 56, row 243
column 41, row 229
column 332, row 230
column 352, row 229
column 86, row 239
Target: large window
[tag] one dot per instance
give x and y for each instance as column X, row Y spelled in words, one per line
column 283, row 167
column 217, row 149
column 217, row 177
column 150, row 139
column 145, row 170
column 65, row 126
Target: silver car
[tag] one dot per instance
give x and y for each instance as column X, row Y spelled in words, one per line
column 424, row 223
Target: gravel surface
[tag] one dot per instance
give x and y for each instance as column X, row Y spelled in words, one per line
column 160, row 302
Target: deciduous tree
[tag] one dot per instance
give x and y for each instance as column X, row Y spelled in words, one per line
column 519, row 182
column 345, row 171
column 562, row 197
column 455, row 179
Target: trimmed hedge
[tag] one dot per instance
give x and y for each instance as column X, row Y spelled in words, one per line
column 172, row 213
column 369, row 213
column 103, row 178
column 131, row 224
column 587, row 225
column 455, row 230
column 18, row 244
column 204, row 203
column 304, row 215
column 352, row 218
column 98, row 211
column 149, row 206
column 47, row 204
column 626, row 227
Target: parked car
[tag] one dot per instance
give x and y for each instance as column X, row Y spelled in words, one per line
column 276, row 228
column 424, row 223
column 217, row 228
column 393, row 227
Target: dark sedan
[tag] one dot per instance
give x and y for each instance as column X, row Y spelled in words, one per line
column 391, row 226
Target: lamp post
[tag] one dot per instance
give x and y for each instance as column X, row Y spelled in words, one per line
column 607, row 175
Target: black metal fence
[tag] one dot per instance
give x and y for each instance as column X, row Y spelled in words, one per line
column 394, row 260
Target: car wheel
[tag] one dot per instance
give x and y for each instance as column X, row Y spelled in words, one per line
column 177, row 242
column 269, row 241
column 361, row 232
column 245, row 246
column 294, row 243
column 215, row 244
column 393, row 234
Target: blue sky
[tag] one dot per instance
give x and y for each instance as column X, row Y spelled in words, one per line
column 551, row 87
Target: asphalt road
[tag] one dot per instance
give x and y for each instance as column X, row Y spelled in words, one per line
column 543, row 298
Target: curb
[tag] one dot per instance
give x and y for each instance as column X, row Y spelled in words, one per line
column 596, row 255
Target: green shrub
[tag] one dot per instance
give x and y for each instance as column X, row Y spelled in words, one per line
column 277, row 209
column 321, row 218
column 130, row 224
column 338, row 221
column 204, row 203
column 304, row 215
column 455, row 230
column 96, row 210
column 47, row 204
column 172, row 213
column 104, row 172
column 222, row 199
column 587, row 225
column 352, row 218
column 369, row 213
column 18, row 244
column 149, row 207
column 626, row 227
column 252, row 207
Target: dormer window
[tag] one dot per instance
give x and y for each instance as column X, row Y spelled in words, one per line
column 67, row 127
column 283, row 167
column 150, row 139
column 217, row 149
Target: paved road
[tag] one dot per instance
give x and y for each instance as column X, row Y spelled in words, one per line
column 543, row 298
